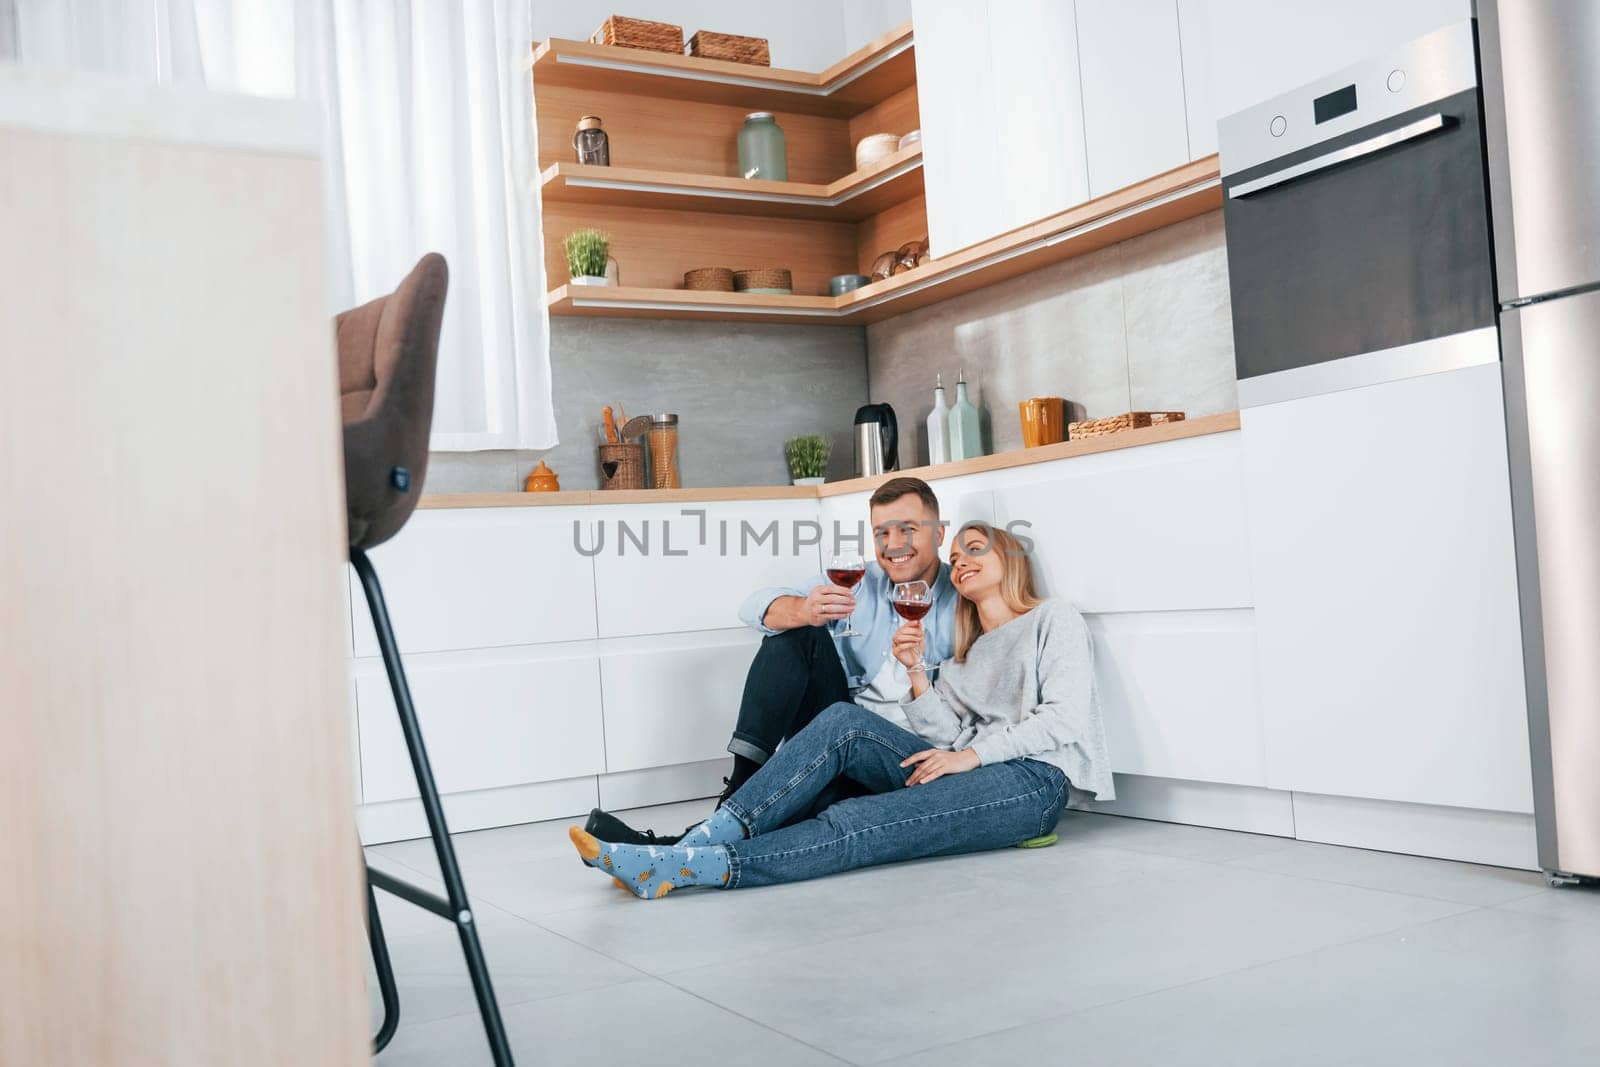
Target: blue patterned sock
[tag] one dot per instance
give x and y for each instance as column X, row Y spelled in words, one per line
column 721, row 829
column 649, row 871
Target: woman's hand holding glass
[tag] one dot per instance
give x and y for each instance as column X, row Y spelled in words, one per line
column 907, row 645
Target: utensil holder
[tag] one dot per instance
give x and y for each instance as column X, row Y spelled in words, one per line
column 622, row 466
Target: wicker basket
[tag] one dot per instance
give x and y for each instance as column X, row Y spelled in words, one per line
column 622, row 467
column 1131, row 420
column 730, row 46
column 709, row 280
column 764, row 278
column 623, row 32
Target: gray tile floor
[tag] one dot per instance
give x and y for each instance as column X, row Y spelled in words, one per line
column 1130, row 942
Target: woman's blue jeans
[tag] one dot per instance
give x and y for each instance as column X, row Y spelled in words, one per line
column 987, row 807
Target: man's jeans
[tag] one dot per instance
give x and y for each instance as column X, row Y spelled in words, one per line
column 795, row 675
column 987, row 807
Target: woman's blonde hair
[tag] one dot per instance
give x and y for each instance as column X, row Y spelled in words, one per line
column 1016, row 584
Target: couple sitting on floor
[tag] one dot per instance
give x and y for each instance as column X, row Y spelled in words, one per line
column 844, row 757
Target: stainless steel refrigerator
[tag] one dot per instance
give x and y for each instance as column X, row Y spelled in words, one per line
column 1541, row 81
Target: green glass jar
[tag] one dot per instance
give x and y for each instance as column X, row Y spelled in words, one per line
column 762, row 153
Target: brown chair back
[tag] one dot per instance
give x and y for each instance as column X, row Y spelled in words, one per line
column 388, row 353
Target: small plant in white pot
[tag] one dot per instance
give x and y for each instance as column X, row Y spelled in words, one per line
column 588, row 252
column 808, row 458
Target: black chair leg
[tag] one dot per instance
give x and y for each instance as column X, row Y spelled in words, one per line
column 385, row 971
column 454, row 907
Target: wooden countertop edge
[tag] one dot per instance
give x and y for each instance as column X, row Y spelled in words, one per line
column 1024, row 457
column 1176, row 431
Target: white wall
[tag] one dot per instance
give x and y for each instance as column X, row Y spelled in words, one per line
column 865, row 20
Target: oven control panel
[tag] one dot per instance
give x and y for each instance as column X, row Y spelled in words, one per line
column 1430, row 68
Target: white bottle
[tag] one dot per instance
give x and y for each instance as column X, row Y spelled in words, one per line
column 939, row 425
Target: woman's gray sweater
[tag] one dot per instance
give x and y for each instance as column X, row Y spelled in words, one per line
column 1026, row 690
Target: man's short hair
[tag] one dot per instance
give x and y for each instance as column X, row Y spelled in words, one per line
column 895, row 488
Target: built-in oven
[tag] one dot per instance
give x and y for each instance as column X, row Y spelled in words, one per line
column 1357, row 219
column 1372, row 443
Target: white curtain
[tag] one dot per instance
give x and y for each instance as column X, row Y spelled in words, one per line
column 429, row 146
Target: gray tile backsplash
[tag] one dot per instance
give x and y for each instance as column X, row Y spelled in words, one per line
column 1141, row 325
column 739, row 392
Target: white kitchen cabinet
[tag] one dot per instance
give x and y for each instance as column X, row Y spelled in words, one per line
column 1261, row 48
column 1199, row 92
column 1385, row 593
column 672, row 568
column 1178, row 692
column 480, row 578
column 1159, row 528
column 958, row 107
column 1133, row 90
column 1002, row 115
column 1041, row 165
column 493, row 718
column 673, row 699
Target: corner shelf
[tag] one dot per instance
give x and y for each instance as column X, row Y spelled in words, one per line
column 672, row 201
column 1182, row 193
column 851, row 198
column 856, row 83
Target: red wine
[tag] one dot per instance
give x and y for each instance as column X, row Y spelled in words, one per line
column 912, row 610
column 846, row 577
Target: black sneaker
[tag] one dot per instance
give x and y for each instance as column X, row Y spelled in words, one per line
column 612, row 830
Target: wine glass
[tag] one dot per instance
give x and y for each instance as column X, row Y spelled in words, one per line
column 913, row 600
column 847, row 570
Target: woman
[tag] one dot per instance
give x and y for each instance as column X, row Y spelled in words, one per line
column 1013, row 718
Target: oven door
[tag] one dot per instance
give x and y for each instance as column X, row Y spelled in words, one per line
column 1374, row 240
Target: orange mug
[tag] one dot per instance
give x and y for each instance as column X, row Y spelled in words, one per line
column 1043, row 420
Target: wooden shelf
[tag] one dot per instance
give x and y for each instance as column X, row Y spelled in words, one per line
column 854, row 84
column 632, row 303
column 849, row 199
column 1198, row 426
column 1179, row 194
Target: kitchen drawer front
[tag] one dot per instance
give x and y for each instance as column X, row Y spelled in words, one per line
column 655, row 574
column 673, row 699
column 490, row 719
column 1179, row 694
column 481, row 578
column 1159, row 528
column 1386, row 595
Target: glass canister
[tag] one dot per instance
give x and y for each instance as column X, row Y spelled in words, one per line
column 663, row 451
column 762, row 152
column 591, row 143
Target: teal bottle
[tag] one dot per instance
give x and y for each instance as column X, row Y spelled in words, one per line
column 965, row 441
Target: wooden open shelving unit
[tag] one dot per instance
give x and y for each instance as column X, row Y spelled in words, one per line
column 1163, row 200
column 672, row 201
column 854, row 197
column 857, row 83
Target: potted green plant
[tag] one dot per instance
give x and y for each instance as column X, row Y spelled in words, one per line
column 808, row 458
column 588, row 253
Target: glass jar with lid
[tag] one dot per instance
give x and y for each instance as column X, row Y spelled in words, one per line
column 591, row 143
column 663, row 451
column 762, row 152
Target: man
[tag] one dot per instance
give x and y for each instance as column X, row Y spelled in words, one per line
column 802, row 667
